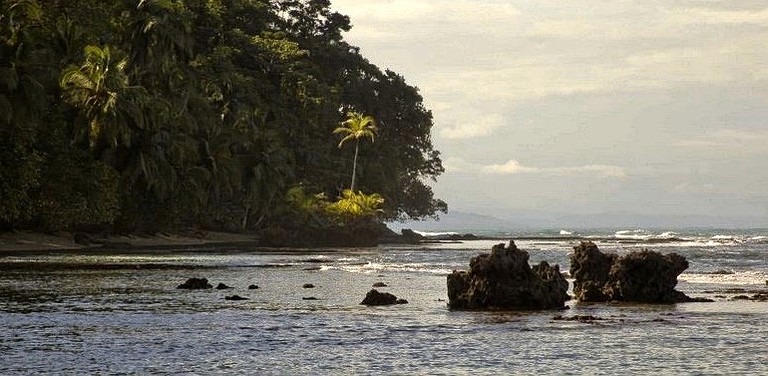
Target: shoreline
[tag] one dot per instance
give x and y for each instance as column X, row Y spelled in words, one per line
column 30, row 242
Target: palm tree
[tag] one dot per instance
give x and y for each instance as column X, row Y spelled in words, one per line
column 356, row 127
column 99, row 89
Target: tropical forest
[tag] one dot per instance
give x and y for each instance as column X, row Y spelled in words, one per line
column 252, row 116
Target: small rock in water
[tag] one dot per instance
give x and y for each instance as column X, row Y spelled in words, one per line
column 579, row 318
column 379, row 284
column 375, row 298
column 222, row 286
column 253, row 287
column 317, row 261
column 195, row 284
column 309, row 298
column 308, row 286
column 235, row 297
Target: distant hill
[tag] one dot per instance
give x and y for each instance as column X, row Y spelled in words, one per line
column 458, row 221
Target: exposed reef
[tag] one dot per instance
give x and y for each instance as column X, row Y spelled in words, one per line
column 641, row 276
column 504, row 280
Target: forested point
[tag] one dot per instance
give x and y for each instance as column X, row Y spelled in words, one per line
column 162, row 115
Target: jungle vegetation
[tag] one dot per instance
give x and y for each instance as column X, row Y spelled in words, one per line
column 150, row 115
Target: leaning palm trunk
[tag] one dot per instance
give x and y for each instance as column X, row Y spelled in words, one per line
column 354, row 166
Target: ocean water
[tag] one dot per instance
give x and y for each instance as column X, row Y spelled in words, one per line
column 88, row 313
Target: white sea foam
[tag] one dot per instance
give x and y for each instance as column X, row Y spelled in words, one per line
column 667, row 235
column 564, row 232
column 375, row 267
column 738, row 278
column 632, row 234
column 427, row 234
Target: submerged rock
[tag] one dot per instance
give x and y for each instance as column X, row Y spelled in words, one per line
column 579, row 318
column 308, row 286
column 375, row 298
column 503, row 279
column 222, row 286
column 195, row 284
column 379, row 284
column 641, row 276
column 253, row 287
column 235, row 297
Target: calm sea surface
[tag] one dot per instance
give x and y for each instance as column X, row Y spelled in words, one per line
column 121, row 313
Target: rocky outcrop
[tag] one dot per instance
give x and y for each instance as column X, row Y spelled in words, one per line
column 641, row 276
column 503, row 279
column 222, row 286
column 375, row 298
column 590, row 269
column 406, row 236
column 195, row 284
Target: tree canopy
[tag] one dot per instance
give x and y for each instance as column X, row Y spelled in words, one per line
column 144, row 115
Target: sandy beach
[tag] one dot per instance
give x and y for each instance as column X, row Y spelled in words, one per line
column 28, row 241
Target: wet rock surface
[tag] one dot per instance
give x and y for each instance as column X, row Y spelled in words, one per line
column 503, row 279
column 641, row 276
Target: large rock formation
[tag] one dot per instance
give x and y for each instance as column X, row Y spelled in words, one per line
column 641, row 276
column 503, row 279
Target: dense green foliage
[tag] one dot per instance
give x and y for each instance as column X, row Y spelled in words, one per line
column 162, row 114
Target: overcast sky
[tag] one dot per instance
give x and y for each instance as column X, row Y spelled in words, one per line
column 652, row 107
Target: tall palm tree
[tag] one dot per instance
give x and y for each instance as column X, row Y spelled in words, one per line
column 356, row 127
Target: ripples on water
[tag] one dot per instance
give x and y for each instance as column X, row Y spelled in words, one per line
column 129, row 318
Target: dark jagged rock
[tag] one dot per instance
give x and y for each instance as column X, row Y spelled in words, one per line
column 308, row 286
column 503, row 279
column 379, row 284
column 590, row 269
column 195, row 284
column 253, row 287
column 642, row 276
column 375, row 298
column 222, row 286
column 235, row 297
column 410, row 236
column 406, row 236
